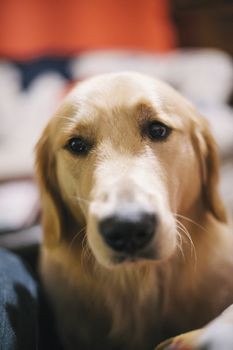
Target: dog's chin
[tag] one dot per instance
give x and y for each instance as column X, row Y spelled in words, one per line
column 148, row 256
column 108, row 258
column 116, row 260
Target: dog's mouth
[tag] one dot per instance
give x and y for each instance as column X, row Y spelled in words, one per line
column 147, row 254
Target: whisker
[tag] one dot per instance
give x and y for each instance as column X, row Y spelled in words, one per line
column 185, row 231
column 188, row 236
column 86, row 256
column 74, row 238
column 179, row 245
column 66, row 117
column 80, row 199
column 190, row 220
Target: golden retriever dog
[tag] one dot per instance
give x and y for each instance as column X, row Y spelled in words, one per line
column 136, row 247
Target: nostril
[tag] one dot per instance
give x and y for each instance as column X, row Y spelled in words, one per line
column 112, row 232
column 128, row 233
column 140, row 235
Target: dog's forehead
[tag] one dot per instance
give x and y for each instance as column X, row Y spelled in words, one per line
column 114, row 90
column 116, row 94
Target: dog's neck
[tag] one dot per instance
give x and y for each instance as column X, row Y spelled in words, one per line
column 150, row 285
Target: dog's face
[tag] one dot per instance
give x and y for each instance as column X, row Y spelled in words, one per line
column 124, row 154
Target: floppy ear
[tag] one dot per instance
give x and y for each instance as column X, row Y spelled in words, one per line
column 207, row 150
column 55, row 215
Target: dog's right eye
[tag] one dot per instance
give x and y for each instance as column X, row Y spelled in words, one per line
column 78, row 146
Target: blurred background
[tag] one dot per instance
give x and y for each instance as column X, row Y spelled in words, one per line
column 46, row 46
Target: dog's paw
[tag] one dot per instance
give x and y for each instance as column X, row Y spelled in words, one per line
column 217, row 335
column 184, row 341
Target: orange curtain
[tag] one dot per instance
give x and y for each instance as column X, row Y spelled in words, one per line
column 30, row 28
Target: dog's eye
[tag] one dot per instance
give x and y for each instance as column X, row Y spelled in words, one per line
column 158, row 131
column 78, row 146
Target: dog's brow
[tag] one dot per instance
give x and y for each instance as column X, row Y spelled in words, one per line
column 82, row 128
column 145, row 111
column 72, row 128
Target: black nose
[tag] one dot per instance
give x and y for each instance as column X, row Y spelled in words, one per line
column 128, row 234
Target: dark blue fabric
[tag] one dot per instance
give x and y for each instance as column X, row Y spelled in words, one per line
column 31, row 69
column 18, row 304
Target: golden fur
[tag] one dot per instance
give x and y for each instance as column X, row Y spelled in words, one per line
column 99, row 303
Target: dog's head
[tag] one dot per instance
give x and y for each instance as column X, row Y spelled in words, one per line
column 123, row 156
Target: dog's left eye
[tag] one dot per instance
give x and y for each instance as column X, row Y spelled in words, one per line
column 158, row 131
column 78, row 146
